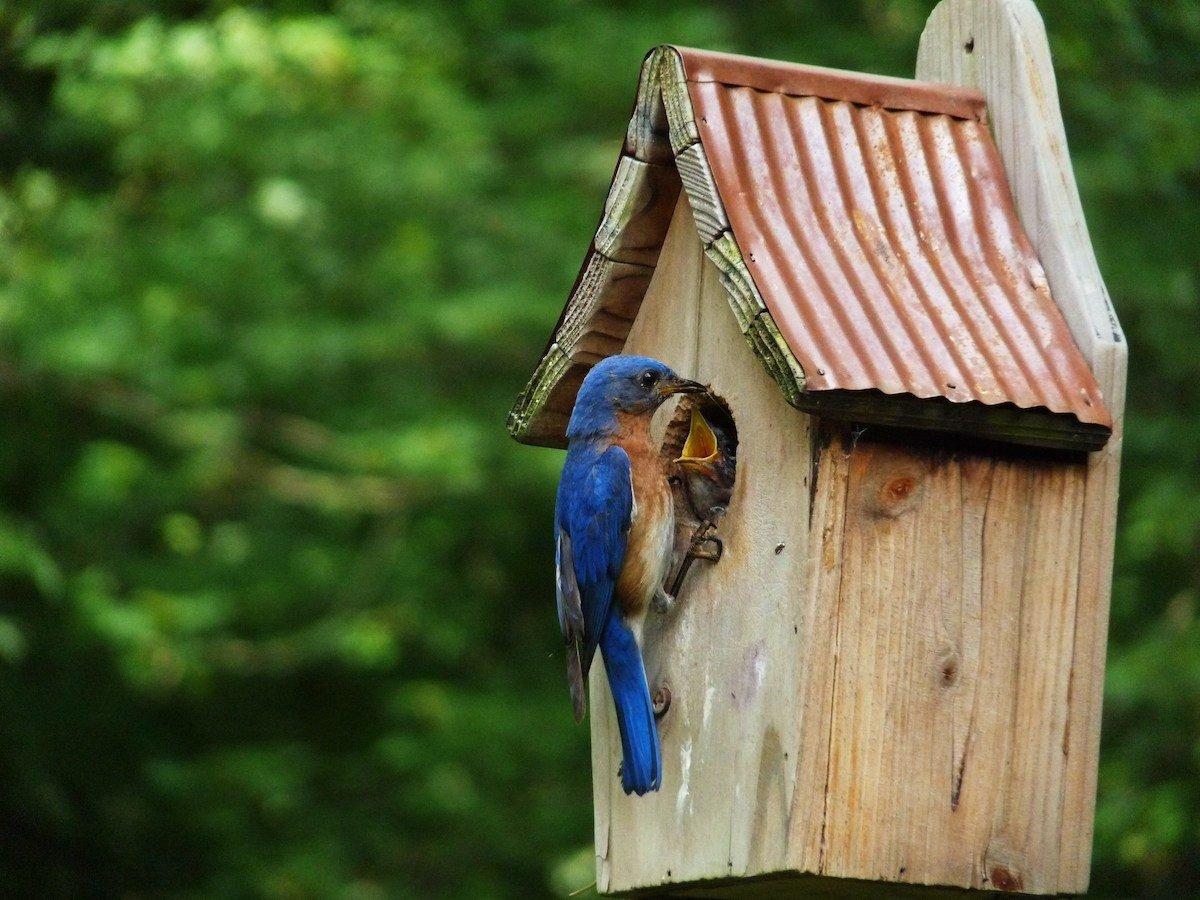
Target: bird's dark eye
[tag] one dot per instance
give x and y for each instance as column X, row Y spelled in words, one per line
column 647, row 378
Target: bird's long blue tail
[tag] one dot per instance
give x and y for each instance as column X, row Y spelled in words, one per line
column 641, row 770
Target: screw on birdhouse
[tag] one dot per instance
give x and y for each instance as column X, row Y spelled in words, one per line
column 778, row 549
column 661, row 701
column 969, row 46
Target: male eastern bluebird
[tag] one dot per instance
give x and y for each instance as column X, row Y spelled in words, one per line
column 614, row 530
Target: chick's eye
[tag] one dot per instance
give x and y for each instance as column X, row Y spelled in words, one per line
column 648, row 378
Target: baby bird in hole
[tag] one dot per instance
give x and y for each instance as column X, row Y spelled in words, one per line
column 707, row 463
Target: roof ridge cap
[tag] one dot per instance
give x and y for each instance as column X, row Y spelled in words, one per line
column 805, row 80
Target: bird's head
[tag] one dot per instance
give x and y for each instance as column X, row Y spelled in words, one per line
column 630, row 385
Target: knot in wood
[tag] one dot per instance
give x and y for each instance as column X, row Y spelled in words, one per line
column 898, row 492
column 948, row 668
column 661, row 701
column 1004, row 879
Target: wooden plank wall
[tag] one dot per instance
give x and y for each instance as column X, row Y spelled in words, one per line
column 941, row 662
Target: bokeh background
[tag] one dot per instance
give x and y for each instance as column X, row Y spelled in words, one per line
column 275, row 596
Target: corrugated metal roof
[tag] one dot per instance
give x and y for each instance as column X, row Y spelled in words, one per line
column 876, row 220
column 865, row 231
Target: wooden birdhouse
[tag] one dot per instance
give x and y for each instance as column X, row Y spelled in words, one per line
column 894, row 674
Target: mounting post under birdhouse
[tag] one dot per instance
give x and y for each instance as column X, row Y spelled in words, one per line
column 892, row 679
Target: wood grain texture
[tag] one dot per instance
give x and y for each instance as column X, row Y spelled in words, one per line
column 922, row 703
column 639, row 204
column 647, row 136
column 940, row 675
column 1000, row 47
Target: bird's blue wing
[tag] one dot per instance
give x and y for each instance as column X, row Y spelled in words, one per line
column 595, row 502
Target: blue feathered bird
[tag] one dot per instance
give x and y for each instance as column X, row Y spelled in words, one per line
column 614, row 530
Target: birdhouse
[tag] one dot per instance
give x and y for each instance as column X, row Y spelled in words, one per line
column 894, row 672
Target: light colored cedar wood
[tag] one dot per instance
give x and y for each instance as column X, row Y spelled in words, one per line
column 920, row 703
column 1009, row 61
column 944, row 666
column 730, row 651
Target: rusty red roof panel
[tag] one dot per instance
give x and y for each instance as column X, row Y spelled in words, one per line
column 876, row 220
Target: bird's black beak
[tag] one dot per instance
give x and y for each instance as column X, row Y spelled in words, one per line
column 682, row 386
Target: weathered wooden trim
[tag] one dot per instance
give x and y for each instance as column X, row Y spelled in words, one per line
column 672, row 83
column 642, row 196
column 753, row 319
column 532, row 400
column 594, row 325
column 647, row 138
column 697, row 180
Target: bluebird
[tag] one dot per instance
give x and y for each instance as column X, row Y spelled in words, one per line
column 614, row 529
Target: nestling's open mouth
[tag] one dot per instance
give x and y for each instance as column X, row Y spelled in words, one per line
column 701, row 444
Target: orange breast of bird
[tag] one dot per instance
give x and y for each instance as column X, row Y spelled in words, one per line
column 651, row 530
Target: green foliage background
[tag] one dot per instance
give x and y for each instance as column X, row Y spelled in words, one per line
column 275, row 597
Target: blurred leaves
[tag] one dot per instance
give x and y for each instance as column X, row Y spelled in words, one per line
column 276, row 616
